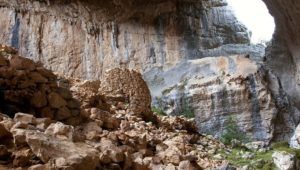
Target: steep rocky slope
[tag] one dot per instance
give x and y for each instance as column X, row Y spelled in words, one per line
column 110, row 131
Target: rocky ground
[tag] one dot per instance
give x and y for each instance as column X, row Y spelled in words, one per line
column 54, row 123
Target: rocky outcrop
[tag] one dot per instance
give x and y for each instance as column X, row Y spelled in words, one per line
column 295, row 139
column 216, row 89
column 288, row 38
column 84, row 38
column 283, row 53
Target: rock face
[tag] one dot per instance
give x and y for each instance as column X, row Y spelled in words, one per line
column 215, row 89
column 84, row 38
column 283, row 53
column 295, row 140
column 287, row 35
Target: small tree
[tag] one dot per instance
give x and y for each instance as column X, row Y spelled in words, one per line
column 232, row 131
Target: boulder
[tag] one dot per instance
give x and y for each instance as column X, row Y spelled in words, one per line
column 19, row 136
column 43, row 123
column 56, row 101
column 60, row 131
column 63, row 113
column 284, row 160
column 109, row 121
column 25, row 118
column 76, row 155
column 295, row 139
column 184, row 165
column 22, row 158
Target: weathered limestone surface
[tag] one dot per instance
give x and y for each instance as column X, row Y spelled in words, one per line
column 282, row 61
column 217, row 88
column 284, row 52
column 221, row 87
column 84, row 38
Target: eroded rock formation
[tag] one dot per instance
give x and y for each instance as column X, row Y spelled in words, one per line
column 283, row 56
column 160, row 39
column 84, row 38
column 224, row 87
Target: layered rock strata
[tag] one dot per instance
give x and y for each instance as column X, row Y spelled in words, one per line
column 82, row 39
column 215, row 89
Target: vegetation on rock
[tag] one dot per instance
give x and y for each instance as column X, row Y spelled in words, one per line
column 232, row 132
column 159, row 111
column 256, row 159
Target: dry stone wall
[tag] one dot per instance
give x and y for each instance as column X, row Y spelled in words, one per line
column 28, row 87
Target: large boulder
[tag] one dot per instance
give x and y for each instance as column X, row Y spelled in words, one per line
column 295, row 139
column 62, row 152
column 284, row 160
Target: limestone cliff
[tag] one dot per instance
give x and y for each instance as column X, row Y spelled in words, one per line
column 285, row 60
column 283, row 56
column 218, row 88
column 84, row 38
column 169, row 41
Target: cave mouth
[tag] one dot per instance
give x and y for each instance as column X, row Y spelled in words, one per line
column 255, row 16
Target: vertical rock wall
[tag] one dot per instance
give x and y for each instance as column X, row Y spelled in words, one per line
column 83, row 38
column 285, row 60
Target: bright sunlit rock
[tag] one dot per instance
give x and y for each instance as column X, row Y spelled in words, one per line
column 256, row 17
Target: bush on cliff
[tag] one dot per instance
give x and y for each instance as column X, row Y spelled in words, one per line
column 232, row 131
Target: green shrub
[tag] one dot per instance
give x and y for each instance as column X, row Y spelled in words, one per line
column 158, row 111
column 232, row 131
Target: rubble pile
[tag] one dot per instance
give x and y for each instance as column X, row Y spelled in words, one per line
column 109, row 126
